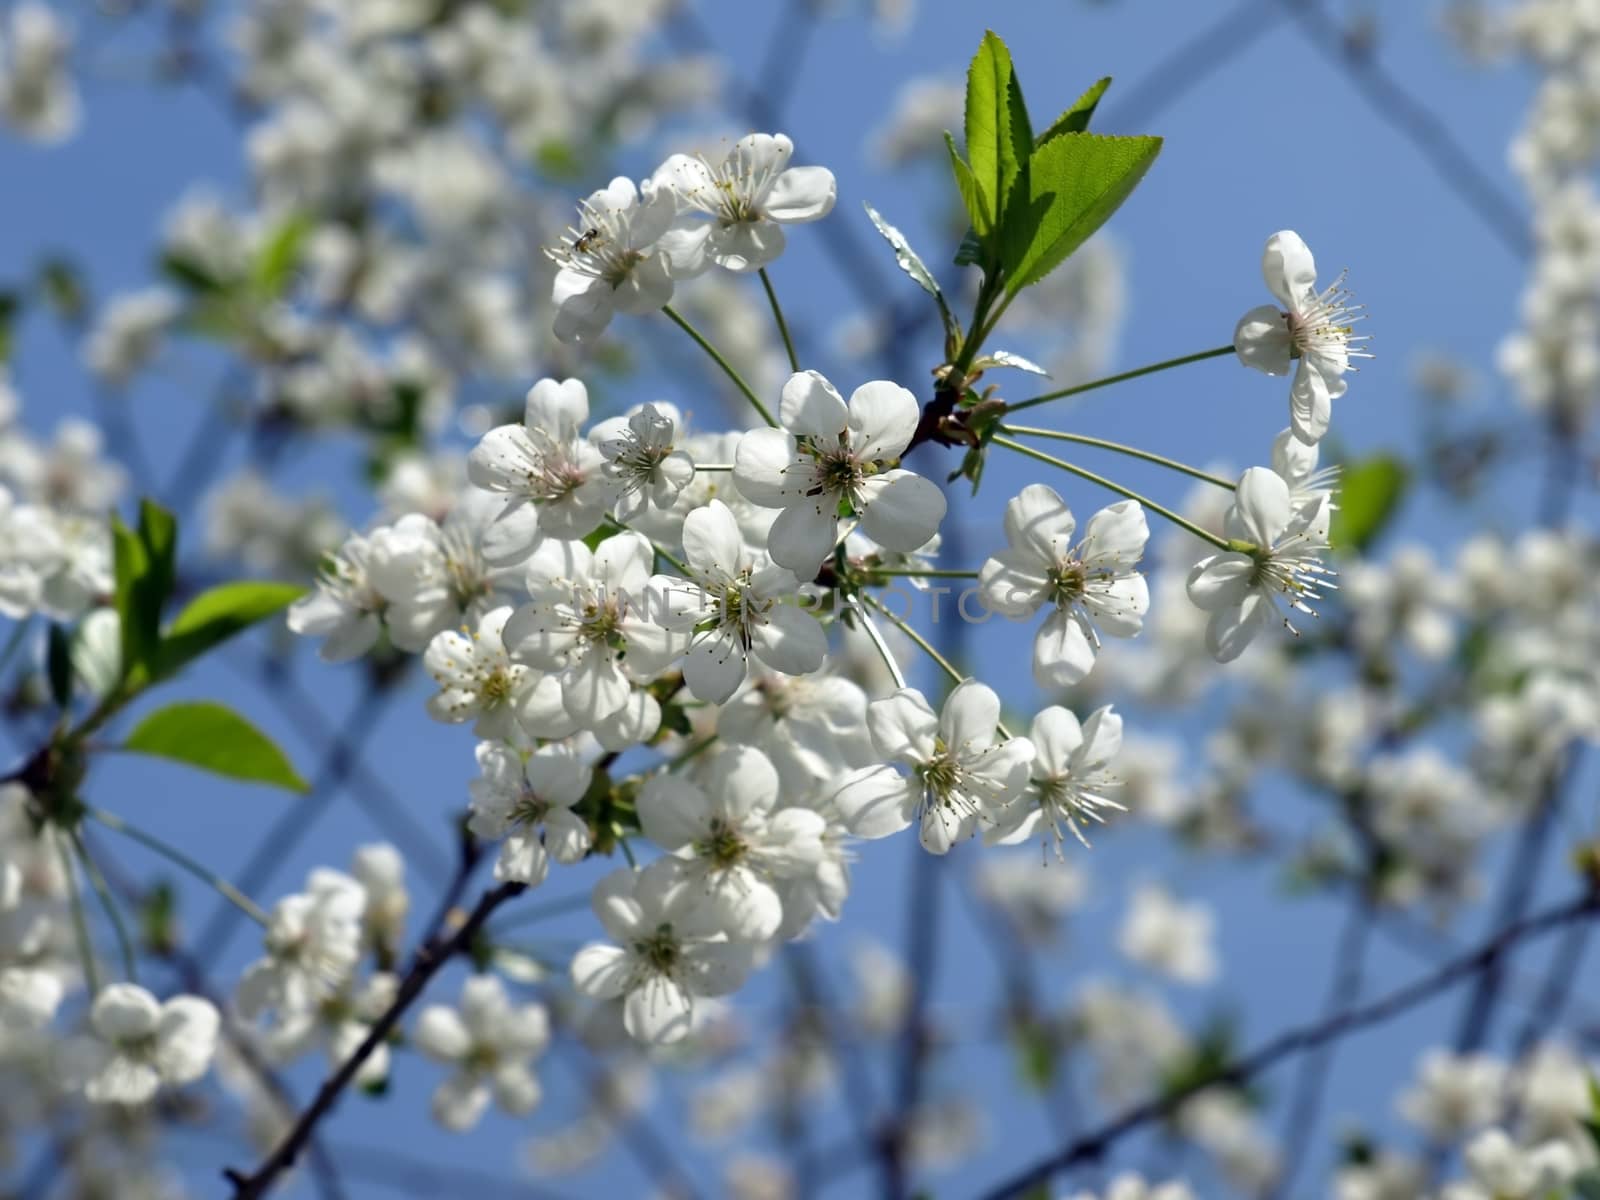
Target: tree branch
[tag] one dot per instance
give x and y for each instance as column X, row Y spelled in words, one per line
column 1297, row 1041
column 434, row 952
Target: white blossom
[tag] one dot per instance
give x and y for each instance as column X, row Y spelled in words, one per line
column 1092, row 587
column 830, row 456
column 1314, row 327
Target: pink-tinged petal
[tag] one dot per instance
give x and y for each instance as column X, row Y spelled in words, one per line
column 883, row 418
column 903, row 726
column 801, row 194
column 875, row 802
column 1261, row 506
column 1219, row 581
column 804, row 534
column 1261, row 340
column 812, row 407
column 970, row 715
column 1039, row 523
column 658, row 1012
column 901, row 510
column 712, row 541
column 1288, row 269
column 1056, row 736
column 1063, row 654
column 790, row 640
column 768, row 470
column 740, row 781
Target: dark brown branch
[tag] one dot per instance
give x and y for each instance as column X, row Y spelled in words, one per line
column 434, row 952
column 1297, row 1041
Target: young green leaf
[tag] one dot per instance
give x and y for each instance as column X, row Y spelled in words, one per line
column 145, row 567
column 216, row 739
column 1369, row 495
column 278, row 257
column 1075, row 181
column 1076, row 118
column 999, row 138
column 218, row 614
column 972, row 199
column 904, row 256
column 59, row 666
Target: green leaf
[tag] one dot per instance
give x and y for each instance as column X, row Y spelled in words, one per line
column 58, row 660
column 1586, row 1185
column 972, row 198
column 970, row 252
column 10, row 306
column 999, row 138
column 216, row 739
column 63, row 288
column 1076, row 118
column 131, row 563
column 218, row 614
column 904, row 256
column 278, row 257
column 1074, row 182
column 1369, row 495
column 192, row 275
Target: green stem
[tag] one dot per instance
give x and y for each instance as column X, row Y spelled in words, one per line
column 178, row 858
column 693, row 752
column 1203, row 534
column 713, row 466
column 875, row 636
column 927, row 648
column 621, row 527
column 716, row 357
column 783, row 326
column 109, row 904
column 1126, row 375
column 925, row 645
column 1084, row 439
column 80, row 923
column 915, row 573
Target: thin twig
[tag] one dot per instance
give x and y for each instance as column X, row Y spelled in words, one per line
column 1297, row 1041
column 429, row 958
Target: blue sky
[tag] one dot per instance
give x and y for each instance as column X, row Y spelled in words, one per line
column 1276, row 138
